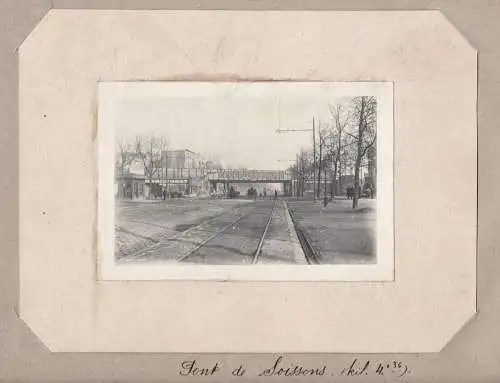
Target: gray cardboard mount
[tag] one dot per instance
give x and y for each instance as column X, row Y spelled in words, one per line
column 472, row 355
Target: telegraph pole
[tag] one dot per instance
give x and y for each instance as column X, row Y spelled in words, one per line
column 279, row 130
column 314, row 160
column 297, row 174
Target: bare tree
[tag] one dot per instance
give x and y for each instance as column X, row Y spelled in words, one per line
column 149, row 150
column 306, row 168
column 300, row 179
column 320, row 148
column 124, row 157
column 338, row 144
column 294, row 171
column 325, row 177
column 364, row 133
column 342, row 147
column 322, row 157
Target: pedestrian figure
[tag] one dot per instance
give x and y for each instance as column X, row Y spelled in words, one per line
column 164, row 194
column 275, row 194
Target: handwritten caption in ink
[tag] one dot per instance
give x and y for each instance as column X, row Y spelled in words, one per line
column 279, row 367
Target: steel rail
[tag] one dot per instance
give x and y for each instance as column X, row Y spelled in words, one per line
column 215, row 235
column 312, row 254
column 160, row 243
column 261, row 242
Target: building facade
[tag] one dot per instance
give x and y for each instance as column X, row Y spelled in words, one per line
column 181, row 159
column 183, row 171
column 130, row 186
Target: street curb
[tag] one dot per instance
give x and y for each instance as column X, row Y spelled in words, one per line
column 298, row 252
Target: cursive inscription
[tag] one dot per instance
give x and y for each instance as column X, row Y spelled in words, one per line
column 192, row 368
column 294, row 370
column 363, row 368
column 357, row 368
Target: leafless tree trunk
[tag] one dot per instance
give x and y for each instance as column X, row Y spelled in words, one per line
column 337, row 145
column 358, row 158
column 365, row 117
column 302, row 173
column 325, row 186
column 149, row 150
column 333, row 185
column 320, row 161
column 123, row 162
column 340, row 177
column 345, row 163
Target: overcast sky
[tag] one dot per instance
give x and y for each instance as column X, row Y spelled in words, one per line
column 241, row 129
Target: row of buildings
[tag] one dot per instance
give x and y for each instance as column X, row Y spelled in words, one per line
column 181, row 171
column 186, row 172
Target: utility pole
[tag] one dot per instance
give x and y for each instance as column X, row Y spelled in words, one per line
column 320, row 160
column 302, row 166
column 314, row 160
column 325, row 200
column 123, row 176
column 296, row 175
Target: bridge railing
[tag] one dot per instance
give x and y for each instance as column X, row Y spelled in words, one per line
column 243, row 175
column 223, row 174
column 181, row 173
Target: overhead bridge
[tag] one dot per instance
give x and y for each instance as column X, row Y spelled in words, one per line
column 249, row 176
column 223, row 175
column 229, row 177
column 196, row 177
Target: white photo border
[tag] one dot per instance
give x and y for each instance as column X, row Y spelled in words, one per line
column 111, row 93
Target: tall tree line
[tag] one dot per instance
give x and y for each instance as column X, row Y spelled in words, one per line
column 342, row 147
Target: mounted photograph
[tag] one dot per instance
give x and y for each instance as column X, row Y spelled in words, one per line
column 245, row 180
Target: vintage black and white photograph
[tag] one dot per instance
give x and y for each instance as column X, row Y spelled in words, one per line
column 255, row 174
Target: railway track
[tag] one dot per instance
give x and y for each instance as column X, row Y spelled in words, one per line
column 313, row 256
column 254, row 254
column 261, row 242
column 158, row 243
column 237, row 239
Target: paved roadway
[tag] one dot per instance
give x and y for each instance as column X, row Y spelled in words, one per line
column 228, row 232
column 340, row 234
column 140, row 225
column 208, row 232
column 234, row 241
